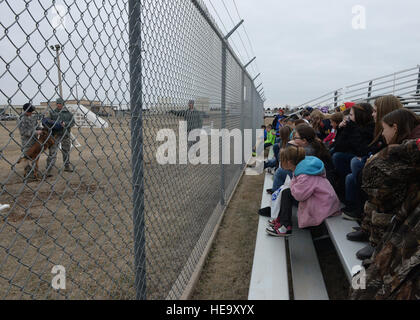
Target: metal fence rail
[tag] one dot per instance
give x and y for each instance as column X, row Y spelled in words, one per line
column 404, row 84
column 121, row 224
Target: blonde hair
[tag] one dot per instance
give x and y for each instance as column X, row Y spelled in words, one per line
column 316, row 116
column 293, row 154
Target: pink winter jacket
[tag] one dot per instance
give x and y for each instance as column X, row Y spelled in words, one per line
column 317, row 199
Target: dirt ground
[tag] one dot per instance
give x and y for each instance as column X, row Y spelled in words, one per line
column 227, row 272
column 69, row 219
column 83, row 220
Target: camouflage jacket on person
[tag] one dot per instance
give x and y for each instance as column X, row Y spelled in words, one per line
column 393, row 272
column 63, row 116
column 27, row 125
column 386, row 178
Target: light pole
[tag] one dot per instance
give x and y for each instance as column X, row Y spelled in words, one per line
column 57, row 48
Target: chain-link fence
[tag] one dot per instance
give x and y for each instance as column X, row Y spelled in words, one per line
column 81, row 184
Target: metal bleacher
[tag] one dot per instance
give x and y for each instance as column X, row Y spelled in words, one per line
column 404, row 84
column 269, row 278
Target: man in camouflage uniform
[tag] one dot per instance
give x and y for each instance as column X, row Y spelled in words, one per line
column 28, row 128
column 63, row 121
column 192, row 117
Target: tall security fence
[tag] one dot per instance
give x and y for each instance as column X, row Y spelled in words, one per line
column 404, row 84
column 114, row 221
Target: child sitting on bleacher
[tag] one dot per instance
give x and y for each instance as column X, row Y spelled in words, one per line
column 309, row 188
column 271, row 137
column 335, row 120
column 284, row 139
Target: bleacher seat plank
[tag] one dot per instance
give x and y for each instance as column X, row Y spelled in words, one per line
column 338, row 228
column 269, row 280
column 308, row 282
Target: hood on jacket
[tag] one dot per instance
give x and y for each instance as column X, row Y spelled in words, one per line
column 310, row 165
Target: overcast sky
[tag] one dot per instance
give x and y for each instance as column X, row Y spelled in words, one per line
column 306, row 48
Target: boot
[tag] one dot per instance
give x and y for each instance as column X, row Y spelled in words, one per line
column 358, row 236
column 365, row 253
column 351, row 215
column 48, row 174
column 68, row 168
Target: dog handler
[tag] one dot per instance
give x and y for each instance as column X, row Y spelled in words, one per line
column 28, row 128
column 61, row 115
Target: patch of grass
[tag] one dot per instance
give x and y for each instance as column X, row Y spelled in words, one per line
column 227, row 272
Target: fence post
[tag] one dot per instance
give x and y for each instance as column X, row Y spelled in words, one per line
column 370, row 90
column 335, row 99
column 137, row 149
column 243, row 114
column 223, row 122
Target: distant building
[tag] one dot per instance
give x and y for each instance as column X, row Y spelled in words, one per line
column 18, row 109
column 95, row 106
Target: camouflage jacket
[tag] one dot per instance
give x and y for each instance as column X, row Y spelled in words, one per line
column 27, row 125
column 393, row 272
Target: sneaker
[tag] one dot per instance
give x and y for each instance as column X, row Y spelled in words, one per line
column 280, row 231
column 353, row 215
column 273, row 223
column 270, row 171
column 48, row 174
column 270, row 191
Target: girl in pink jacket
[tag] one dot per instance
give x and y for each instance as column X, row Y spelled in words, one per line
column 309, row 188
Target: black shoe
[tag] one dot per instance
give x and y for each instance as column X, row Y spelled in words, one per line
column 265, row 212
column 357, row 228
column 353, row 215
column 365, row 253
column 358, row 236
column 270, row 191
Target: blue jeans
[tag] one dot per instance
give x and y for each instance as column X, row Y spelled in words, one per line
column 271, row 163
column 341, row 163
column 352, row 186
column 280, row 177
column 266, row 145
column 276, row 151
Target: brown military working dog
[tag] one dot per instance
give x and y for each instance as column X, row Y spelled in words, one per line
column 44, row 142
